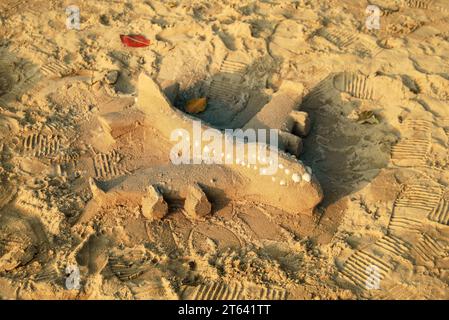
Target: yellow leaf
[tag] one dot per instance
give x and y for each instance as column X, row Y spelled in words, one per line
column 196, row 105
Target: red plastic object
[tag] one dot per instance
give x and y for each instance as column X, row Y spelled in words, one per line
column 136, row 41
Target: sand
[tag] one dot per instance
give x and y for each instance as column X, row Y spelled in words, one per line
column 358, row 210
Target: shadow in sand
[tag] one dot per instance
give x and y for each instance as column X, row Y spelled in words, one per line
column 347, row 149
column 234, row 95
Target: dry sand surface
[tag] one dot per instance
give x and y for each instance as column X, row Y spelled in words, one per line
column 86, row 176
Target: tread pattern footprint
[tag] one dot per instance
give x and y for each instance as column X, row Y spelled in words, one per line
column 235, row 67
column 214, row 291
column 337, row 36
column 412, row 206
column 56, row 69
column 413, row 149
column 404, row 224
column 440, row 213
column 125, row 271
column 42, row 145
column 49, row 274
column 223, row 91
column 434, row 5
column 419, row 4
column 397, row 292
column 393, row 246
column 358, row 266
column 129, row 264
column 427, row 248
column 357, row 85
column 107, row 165
column 153, row 290
column 226, row 90
column 419, row 197
column 218, row 290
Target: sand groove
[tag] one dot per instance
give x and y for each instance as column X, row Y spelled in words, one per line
column 414, row 148
column 393, row 245
column 107, row 165
column 125, row 271
column 404, row 224
column 359, row 264
column 419, row 125
column 357, row 85
column 397, row 292
column 419, row 197
column 32, row 205
column 225, row 87
column 15, row 250
column 411, row 149
column 428, row 248
column 268, row 293
column 153, row 289
column 338, row 37
column 235, row 67
column 440, row 213
column 56, row 69
column 218, row 290
column 215, row 291
column 129, row 263
column 223, row 91
column 41, row 145
column 48, row 274
column 418, row 4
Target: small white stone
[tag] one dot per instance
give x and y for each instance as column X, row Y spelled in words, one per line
column 282, row 183
column 296, row 177
column 281, row 166
column 306, row 177
column 309, row 169
column 287, row 171
column 264, row 171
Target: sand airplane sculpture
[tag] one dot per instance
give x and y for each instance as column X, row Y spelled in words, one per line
column 291, row 187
